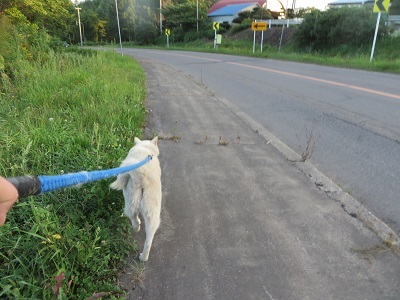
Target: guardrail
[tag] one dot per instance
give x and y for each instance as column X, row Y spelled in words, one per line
column 394, row 19
column 282, row 22
column 297, row 21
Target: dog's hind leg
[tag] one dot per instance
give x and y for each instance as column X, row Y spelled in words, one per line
column 133, row 197
column 135, row 222
column 151, row 224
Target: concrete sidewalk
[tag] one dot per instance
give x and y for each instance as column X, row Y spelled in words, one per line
column 240, row 221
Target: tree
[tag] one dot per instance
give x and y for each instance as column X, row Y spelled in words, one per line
column 260, row 13
column 256, row 13
column 182, row 19
column 94, row 29
column 146, row 20
column 52, row 15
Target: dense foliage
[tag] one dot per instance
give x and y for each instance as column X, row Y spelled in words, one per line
column 54, row 16
column 138, row 20
column 181, row 18
column 324, row 30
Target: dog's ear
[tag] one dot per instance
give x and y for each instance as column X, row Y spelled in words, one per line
column 136, row 141
column 155, row 140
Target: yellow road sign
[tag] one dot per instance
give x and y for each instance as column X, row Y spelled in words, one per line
column 259, row 26
column 167, row 31
column 215, row 25
column 381, row 5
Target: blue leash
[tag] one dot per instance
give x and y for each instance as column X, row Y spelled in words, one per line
column 34, row 185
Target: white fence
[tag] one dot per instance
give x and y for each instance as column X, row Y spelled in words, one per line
column 281, row 22
column 297, row 21
column 394, row 20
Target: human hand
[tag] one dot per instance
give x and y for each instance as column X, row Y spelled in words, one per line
column 8, row 196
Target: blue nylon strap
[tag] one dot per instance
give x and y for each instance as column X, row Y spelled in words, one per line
column 51, row 183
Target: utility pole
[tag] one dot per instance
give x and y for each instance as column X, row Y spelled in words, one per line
column 160, row 17
column 197, row 14
column 283, row 26
column 119, row 30
column 79, row 23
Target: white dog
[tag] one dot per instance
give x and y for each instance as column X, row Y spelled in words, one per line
column 142, row 190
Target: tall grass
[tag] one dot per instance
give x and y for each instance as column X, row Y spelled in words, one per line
column 67, row 112
column 386, row 58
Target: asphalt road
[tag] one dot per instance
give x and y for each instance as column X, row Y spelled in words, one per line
column 239, row 220
column 353, row 117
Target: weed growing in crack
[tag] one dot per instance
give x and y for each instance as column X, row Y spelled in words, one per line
column 310, row 147
column 369, row 252
column 201, row 141
column 222, row 142
column 170, row 137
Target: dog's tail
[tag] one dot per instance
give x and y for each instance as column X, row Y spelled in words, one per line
column 123, row 179
column 121, row 182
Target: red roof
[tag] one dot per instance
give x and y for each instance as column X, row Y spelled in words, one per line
column 223, row 3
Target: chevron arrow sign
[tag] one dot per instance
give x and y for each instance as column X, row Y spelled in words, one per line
column 381, row 5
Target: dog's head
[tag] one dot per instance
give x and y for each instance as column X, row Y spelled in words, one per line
column 151, row 145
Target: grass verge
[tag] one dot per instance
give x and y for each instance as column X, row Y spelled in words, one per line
column 386, row 58
column 67, row 112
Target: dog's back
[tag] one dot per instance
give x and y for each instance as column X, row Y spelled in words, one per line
column 142, row 190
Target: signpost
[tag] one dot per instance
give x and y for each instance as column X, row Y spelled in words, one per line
column 380, row 6
column 258, row 26
column 215, row 27
column 167, row 33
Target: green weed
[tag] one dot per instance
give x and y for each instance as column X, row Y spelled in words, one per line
column 67, row 112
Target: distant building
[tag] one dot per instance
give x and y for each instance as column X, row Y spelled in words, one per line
column 347, row 3
column 229, row 12
column 220, row 4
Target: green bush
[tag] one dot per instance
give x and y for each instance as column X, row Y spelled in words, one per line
column 324, row 30
column 238, row 27
column 178, row 35
column 145, row 33
column 388, row 48
column 192, row 35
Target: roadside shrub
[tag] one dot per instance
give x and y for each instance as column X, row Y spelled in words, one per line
column 178, row 35
column 10, row 44
column 90, row 43
column 192, row 36
column 323, row 30
column 145, row 32
column 208, row 33
column 238, row 27
column 388, row 47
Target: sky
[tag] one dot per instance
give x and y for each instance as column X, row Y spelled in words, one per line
column 320, row 4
